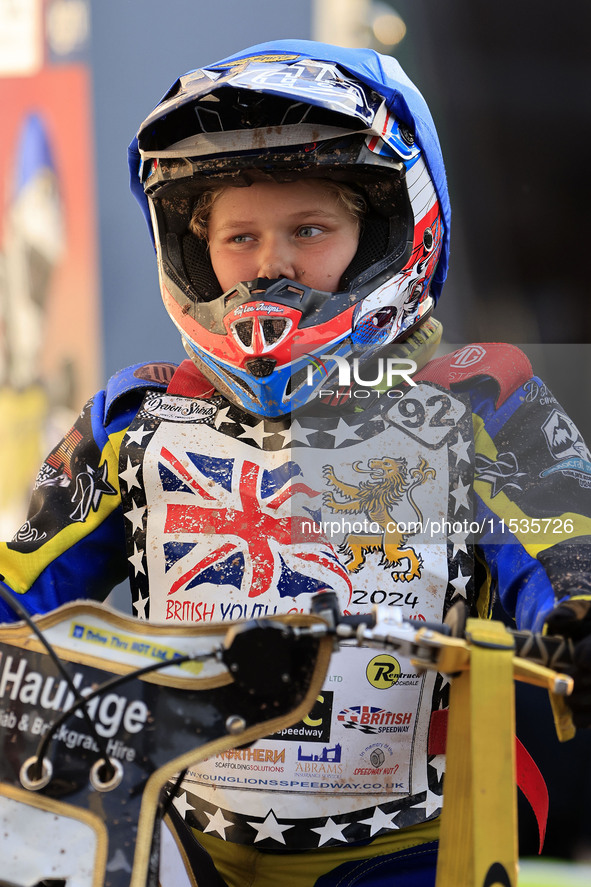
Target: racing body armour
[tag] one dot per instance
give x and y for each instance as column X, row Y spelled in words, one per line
column 219, row 516
column 229, row 517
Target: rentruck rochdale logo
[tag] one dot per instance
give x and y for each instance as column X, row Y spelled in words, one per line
column 389, row 370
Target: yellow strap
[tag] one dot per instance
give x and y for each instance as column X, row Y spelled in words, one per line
column 563, row 718
column 479, row 822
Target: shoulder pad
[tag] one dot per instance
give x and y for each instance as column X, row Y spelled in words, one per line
column 188, row 381
column 506, row 364
column 139, row 377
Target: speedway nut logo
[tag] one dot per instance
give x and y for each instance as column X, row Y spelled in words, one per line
column 377, row 758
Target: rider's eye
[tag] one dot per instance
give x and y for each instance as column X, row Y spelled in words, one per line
column 309, row 231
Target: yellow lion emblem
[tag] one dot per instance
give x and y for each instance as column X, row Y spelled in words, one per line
column 375, row 498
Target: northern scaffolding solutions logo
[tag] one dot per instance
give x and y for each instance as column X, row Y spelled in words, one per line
column 390, row 371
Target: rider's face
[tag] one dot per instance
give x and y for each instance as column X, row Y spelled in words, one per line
column 298, row 230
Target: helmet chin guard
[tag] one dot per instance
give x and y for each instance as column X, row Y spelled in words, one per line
column 259, row 346
column 283, row 117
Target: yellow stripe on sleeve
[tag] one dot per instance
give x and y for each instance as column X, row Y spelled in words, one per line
column 534, row 533
column 21, row 569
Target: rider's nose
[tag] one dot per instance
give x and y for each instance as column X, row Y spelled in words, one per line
column 275, row 261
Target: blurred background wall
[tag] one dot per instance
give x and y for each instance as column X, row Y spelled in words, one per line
column 139, row 50
column 50, row 317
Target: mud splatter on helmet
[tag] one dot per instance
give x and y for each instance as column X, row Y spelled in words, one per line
column 287, row 110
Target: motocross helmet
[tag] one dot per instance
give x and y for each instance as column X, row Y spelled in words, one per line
column 287, row 110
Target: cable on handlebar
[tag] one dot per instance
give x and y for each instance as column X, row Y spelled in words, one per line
column 169, row 793
column 110, row 685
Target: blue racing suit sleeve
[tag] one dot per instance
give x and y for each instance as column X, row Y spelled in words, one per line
column 533, row 499
column 72, row 544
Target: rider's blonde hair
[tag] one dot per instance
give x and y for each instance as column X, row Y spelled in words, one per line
column 353, row 202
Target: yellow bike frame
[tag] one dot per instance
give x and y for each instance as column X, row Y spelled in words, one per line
column 478, row 846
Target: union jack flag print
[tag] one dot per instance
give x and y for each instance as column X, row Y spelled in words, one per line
column 241, row 523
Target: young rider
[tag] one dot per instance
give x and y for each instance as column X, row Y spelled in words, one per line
column 297, row 200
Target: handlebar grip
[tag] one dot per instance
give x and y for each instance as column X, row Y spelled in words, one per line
column 552, row 651
column 549, row 650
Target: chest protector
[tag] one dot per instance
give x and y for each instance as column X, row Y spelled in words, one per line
column 229, row 517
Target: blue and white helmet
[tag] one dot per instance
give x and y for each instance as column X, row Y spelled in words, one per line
column 289, row 109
